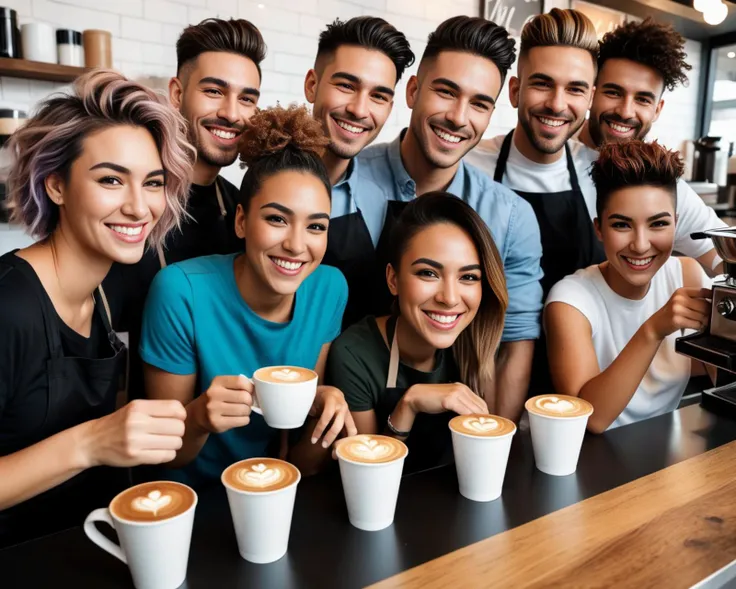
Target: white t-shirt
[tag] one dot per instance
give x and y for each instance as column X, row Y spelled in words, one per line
column 528, row 176
column 614, row 320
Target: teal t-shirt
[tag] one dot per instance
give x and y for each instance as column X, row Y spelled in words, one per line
column 196, row 321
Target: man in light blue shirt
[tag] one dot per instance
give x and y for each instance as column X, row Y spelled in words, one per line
column 452, row 98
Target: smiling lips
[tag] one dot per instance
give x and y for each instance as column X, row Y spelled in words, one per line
column 227, row 136
column 446, row 136
column 349, row 127
column 620, row 128
column 287, row 266
column 443, row 321
column 639, row 264
column 131, row 233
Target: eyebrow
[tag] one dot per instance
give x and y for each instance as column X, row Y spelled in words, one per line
column 456, row 88
column 439, row 266
column 123, row 170
column 546, row 78
column 656, row 217
column 644, row 93
column 225, row 86
column 356, row 80
column 287, row 211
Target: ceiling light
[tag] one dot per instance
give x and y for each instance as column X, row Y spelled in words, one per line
column 715, row 13
column 261, row 6
column 730, row 55
column 701, row 5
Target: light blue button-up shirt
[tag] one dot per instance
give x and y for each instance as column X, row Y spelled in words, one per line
column 509, row 217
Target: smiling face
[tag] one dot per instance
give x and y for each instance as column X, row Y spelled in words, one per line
column 352, row 91
column 552, row 93
column 114, row 193
column 627, row 101
column 285, row 228
column 452, row 100
column 217, row 94
column 638, row 231
column 438, row 284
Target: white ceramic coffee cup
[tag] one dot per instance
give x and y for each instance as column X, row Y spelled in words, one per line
column 284, row 405
column 157, row 553
column 557, row 439
column 481, row 464
column 371, row 491
column 262, row 521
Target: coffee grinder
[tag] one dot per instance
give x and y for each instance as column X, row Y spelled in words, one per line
column 716, row 344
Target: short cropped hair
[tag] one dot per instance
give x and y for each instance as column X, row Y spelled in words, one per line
column 51, row 141
column 634, row 163
column 656, row 45
column 237, row 36
column 476, row 36
column 567, row 28
column 368, row 32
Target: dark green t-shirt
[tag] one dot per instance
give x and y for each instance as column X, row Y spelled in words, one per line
column 358, row 366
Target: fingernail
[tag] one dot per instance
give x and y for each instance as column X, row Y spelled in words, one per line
column 314, row 440
column 325, row 444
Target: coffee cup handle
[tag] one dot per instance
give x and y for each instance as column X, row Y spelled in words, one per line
column 102, row 515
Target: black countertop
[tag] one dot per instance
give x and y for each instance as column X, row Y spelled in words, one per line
column 432, row 518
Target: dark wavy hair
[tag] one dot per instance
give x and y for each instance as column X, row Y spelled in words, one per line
column 651, row 43
column 369, row 32
column 475, row 348
column 237, row 36
column 475, row 35
column 634, row 163
column 278, row 139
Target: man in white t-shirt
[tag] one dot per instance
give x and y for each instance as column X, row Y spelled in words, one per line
column 637, row 63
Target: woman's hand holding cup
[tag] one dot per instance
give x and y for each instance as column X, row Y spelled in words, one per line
column 225, row 405
column 438, row 398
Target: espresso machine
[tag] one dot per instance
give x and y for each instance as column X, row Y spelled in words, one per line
column 716, row 344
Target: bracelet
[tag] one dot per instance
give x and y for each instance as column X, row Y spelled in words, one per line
column 395, row 431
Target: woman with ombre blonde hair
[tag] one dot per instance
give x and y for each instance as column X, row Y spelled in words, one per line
column 409, row 373
column 99, row 173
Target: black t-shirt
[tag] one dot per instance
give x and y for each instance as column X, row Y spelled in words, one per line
column 205, row 233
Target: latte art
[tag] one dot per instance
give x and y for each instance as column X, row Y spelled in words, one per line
column 260, row 475
column 285, row 374
column 371, row 449
column 559, row 406
column 482, row 425
column 153, row 501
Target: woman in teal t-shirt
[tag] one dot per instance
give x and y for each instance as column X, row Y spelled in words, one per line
column 407, row 374
column 210, row 321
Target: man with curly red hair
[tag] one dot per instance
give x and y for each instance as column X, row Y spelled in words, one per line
column 637, row 63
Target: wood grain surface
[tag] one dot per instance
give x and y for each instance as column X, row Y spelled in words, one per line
column 670, row 529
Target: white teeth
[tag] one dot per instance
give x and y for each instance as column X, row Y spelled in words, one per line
column 223, row 134
column 127, row 230
column 351, row 128
column 552, row 122
column 639, row 261
column 446, row 136
column 442, row 318
column 287, row 265
column 619, row 128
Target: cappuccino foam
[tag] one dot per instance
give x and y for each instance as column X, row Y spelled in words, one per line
column 372, row 449
column 151, row 502
column 559, row 406
column 285, row 374
column 260, row 475
column 484, row 426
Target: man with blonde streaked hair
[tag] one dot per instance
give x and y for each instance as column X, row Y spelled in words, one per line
column 552, row 91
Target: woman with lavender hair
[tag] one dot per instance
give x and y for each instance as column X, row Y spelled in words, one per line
column 99, row 173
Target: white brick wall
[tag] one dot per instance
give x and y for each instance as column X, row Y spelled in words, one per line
column 144, row 33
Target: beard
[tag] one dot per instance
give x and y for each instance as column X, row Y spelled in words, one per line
column 548, row 146
column 641, row 130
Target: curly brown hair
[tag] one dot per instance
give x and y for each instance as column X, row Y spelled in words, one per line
column 653, row 44
column 281, row 139
column 634, row 163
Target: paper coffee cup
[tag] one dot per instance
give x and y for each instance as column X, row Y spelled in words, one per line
column 557, row 424
column 154, row 525
column 284, row 395
column 371, row 468
column 481, row 444
column 261, row 493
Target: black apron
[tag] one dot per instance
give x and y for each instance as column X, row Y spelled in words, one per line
column 79, row 390
column 569, row 243
column 350, row 249
column 430, row 442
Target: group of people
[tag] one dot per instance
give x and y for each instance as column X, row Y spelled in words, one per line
column 411, row 310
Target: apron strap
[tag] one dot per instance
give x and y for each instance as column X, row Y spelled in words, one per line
column 223, row 212
column 574, row 184
column 393, row 363
column 105, row 304
column 503, row 156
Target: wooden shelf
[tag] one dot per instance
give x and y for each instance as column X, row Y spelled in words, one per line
column 36, row 70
